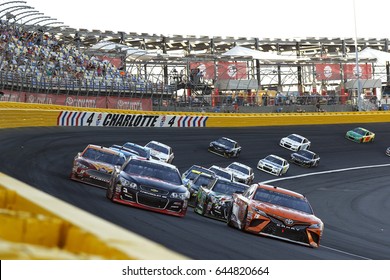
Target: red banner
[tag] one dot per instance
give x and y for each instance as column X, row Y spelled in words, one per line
column 205, row 69
column 124, row 103
column 231, row 70
column 328, row 71
column 351, row 71
column 11, row 96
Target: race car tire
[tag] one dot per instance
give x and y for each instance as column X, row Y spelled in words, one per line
column 226, row 155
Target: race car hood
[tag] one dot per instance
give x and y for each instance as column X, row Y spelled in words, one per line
column 159, row 155
column 221, row 198
column 281, row 213
column 238, row 174
column 99, row 166
column 270, row 163
column 153, row 182
column 290, row 141
column 299, row 157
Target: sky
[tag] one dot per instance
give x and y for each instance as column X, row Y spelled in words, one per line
column 241, row 18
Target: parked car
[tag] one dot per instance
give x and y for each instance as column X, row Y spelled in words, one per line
column 150, row 185
column 95, row 164
column 242, row 173
column 274, row 165
column 295, row 142
column 276, row 212
column 305, row 158
column 360, row 135
column 225, row 147
column 160, row 151
column 214, row 200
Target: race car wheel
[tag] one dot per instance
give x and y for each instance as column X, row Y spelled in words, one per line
column 226, row 155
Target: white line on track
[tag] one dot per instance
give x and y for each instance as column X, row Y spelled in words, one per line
column 326, row 172
column 329, row 172
column 343, row 252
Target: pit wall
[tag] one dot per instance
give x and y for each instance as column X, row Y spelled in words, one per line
column 34, row 225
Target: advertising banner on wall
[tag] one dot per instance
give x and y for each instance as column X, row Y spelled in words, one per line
column 351, row 71
column 11, row 96
column 328, row 71
column 231, row 70
column 110, row 102
column 226, row 70
column 206, row 69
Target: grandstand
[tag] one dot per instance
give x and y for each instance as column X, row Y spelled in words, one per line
column 44, row 61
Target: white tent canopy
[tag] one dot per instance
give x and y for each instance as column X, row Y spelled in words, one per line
column 238, row 51
column 369, row 53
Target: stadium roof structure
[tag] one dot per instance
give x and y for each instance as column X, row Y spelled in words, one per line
column 190, row 47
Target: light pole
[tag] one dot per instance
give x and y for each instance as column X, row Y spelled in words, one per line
column 357, row 61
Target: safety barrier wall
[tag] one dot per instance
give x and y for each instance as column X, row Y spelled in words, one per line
column 70, row 233
column 57, row 230
column 24, row 114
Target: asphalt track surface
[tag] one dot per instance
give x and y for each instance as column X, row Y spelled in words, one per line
column 354, row 204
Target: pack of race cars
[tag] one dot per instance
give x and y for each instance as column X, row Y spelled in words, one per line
column 144, row 177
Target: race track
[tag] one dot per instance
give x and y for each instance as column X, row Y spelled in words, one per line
column 354, row 204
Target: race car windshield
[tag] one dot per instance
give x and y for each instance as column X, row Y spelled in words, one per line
column 359, row 131
column 284, row 200
column 158, row 148
column 202, row 180
column 101, row 156
column 141, row 151
column 239, row 168
column 306, row 154
column 274, row 160
column 192, row 175
column 226, row 187
column 221, row 173
column 153, row 170
column 196, row 170
column 295, row 138
column 225, row 142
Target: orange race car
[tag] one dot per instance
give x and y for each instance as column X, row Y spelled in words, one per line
column 276, row 212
